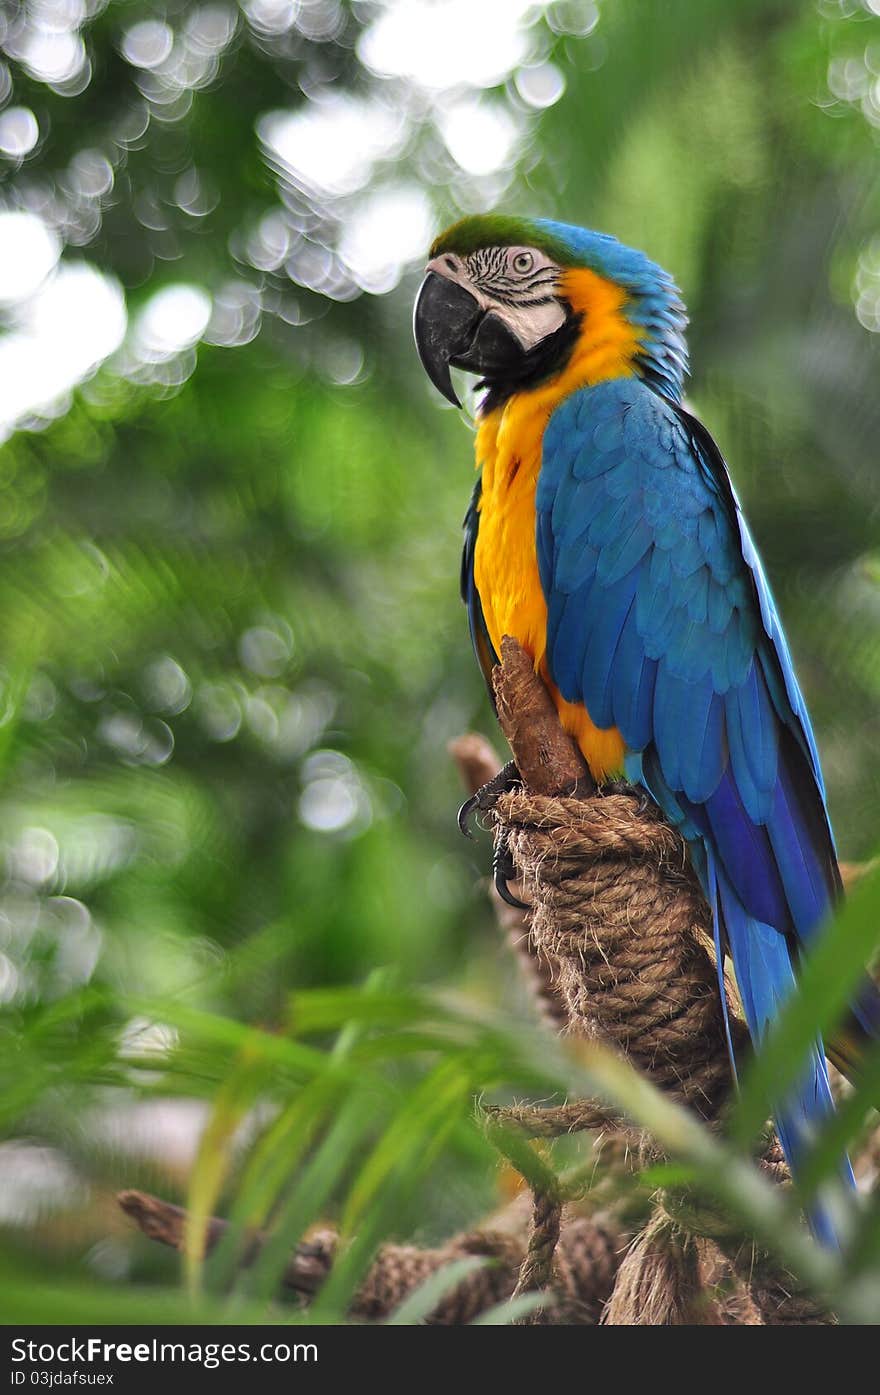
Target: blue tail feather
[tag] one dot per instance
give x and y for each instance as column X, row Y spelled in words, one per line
column 764, row 973
column 765, row 976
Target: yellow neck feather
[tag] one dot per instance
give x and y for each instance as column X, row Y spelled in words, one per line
column 605, row 348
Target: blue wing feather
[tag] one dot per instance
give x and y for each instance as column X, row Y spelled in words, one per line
column 703, row 640
column 662, row 623
column 600, row 642
column 633, row 679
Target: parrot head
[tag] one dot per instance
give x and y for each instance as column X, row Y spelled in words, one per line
column 513, row 299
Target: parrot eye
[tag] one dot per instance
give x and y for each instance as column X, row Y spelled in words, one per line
column 522, row 263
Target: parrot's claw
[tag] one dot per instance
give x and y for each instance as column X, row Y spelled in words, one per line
column 624, row 787
column 486, row 796
column 503, row 867
column 504, row 870
column 617, row 787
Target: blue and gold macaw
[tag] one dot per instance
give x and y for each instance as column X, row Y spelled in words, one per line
column 604, row 534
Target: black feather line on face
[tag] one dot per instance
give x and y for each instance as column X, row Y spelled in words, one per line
column 521, row 293
column 488, row 269
column 485, row 263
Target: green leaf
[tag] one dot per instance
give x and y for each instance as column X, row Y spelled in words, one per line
column 503, row 1314
column 311, row 1191
column 831, row 970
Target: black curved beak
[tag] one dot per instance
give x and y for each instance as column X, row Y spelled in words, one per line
column 453, row 330
column 444, row 322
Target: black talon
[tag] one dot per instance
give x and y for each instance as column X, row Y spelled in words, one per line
column 624, row 787
column 464, row 814
column 506, row 779
column 617, row 787
column 503, row 871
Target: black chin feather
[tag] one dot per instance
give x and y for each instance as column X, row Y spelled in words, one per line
column 534, row 365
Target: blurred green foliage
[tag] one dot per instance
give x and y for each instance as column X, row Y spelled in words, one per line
column 232, row 650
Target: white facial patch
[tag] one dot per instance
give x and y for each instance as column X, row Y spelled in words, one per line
column 518, row 284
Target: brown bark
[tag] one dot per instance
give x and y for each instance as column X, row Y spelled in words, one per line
column 547, row 758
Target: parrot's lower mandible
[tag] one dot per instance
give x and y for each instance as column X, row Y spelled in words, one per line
column 604, row 534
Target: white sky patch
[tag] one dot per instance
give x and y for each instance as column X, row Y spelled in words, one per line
column 389, row 228
column 440, row 44
column 331, row 147
column 480, row 136
column 29, row 250
column 74, row 322
column 172, row 320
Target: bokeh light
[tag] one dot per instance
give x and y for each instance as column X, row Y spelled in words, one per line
column 58, row 337
column 19, row 132
column 439, row 47
column 346, row 221
column 28, row 252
